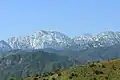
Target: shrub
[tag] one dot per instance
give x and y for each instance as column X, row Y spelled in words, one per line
column 45, row 75
column 106, row 78
column 94, row 78
column 53, row 79
column 36, row 75
column 12, row 78
column 51, row 73
column 74, row 75
column 92, row 65
column 59, row 74
column 98, row 61
column 103, row 66
column 35, row 78
column 70, row 77
column 101, row 72
column 113, row 67
column 98, row 72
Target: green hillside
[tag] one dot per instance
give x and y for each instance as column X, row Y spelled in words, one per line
column 106, row 70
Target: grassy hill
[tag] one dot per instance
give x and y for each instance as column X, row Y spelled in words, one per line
column 106, row 70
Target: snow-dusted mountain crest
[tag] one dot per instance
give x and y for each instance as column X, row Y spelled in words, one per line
column 56, row 40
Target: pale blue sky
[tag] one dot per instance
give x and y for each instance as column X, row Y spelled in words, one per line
column 72, row 17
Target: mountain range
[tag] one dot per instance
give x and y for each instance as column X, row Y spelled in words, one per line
column 46, row 51
column 58, row 41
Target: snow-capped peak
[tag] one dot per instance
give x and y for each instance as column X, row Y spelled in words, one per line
column 40, row 40
column 102, row 39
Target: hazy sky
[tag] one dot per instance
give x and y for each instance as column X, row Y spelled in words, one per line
column 72, row 17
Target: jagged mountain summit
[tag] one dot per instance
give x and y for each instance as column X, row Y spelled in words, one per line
column 103, row 39
column 56, row 40
column 40, row 40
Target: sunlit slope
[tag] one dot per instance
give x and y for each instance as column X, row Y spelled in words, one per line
column 106, row 70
